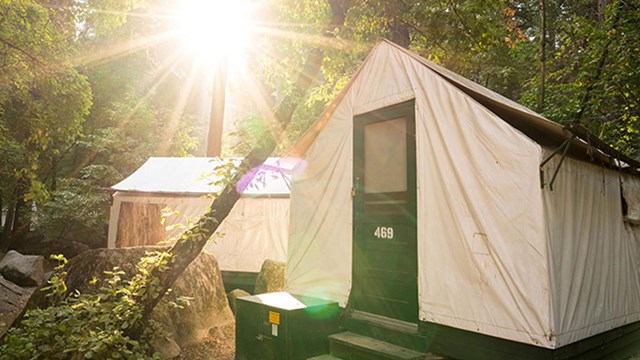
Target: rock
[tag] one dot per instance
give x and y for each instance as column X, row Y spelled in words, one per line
column 23, row 270
column 271, row 277
column 69, row 249
column 13, row 298
column 94, row 263
column 201, row 281
column 34, row 243
column 166, row 347
column 30, row 243
column 208, row 309
column 233, row 295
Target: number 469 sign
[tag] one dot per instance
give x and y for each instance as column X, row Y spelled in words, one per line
column 383, row 232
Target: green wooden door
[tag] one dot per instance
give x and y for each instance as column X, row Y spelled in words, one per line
column 384, row 213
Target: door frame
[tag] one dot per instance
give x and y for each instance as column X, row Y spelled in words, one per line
column 405, row 110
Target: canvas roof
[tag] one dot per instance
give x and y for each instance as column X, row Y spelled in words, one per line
column 195, row 176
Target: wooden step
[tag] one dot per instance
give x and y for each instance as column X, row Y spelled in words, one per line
column 383, row 328
column 348, row 345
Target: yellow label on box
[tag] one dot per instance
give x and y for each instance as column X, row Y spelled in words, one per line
column 274, row 318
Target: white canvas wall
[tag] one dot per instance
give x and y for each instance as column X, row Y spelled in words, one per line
column 256, row 229
column 477, row 177
column 594, row 255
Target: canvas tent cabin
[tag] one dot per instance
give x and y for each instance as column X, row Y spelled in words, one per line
column 178, row 189
column 424, row 207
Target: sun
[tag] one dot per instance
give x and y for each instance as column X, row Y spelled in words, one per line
column 215, row 30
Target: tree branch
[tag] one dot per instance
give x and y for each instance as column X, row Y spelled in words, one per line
column 25, row 52
column 601, row 63
column 424, row 35
column 462, row 21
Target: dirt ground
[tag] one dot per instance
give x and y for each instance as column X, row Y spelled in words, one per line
column 220, row 346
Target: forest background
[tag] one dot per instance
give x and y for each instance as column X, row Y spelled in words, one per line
column 89, row 89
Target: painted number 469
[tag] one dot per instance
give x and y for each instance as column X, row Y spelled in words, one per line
column 383, row 232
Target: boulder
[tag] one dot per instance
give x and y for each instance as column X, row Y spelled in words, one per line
column 69, row 249
column 271, row 277
column 207, row 312
column 94, row 263
column 34, row 243
column 13, row 298
column 166, row 347
column 233, row 295
column 23, row 270
column 30, row 243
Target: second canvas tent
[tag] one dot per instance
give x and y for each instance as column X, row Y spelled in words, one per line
column 156, row 204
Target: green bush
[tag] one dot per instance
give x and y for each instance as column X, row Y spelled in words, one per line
column 79, row 208
column 89, row 325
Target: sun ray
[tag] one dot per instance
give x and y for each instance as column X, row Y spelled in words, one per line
column 178, row 110
column 260, row 97
column 116, row 51
column 317, row 40
column 281, row 64
column 163, row 71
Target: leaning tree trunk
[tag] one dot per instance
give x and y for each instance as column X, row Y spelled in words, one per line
column 191, row 243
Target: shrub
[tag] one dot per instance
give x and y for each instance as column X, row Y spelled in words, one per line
column 89, row 325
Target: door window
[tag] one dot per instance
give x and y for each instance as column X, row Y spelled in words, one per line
column 385, row 160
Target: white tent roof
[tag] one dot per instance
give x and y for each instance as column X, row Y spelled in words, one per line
column 196, row 176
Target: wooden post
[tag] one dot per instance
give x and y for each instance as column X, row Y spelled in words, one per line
column 216, row 119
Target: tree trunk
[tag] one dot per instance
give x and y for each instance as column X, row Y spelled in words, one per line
column 216, row 116
column 584, row 104
column 398, row 29
column 10, row 224
column 6, row 227
column 191, row 243
column 543, row 55
column 400, row 34
column 602, row 5
column 54, row 175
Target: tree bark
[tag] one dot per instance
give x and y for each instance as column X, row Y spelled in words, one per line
column 602, row 5
column 13, row 226
column 5, row 238
column 543, row 54
column 584, row 104
column 11, row 221
column 191, row 243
